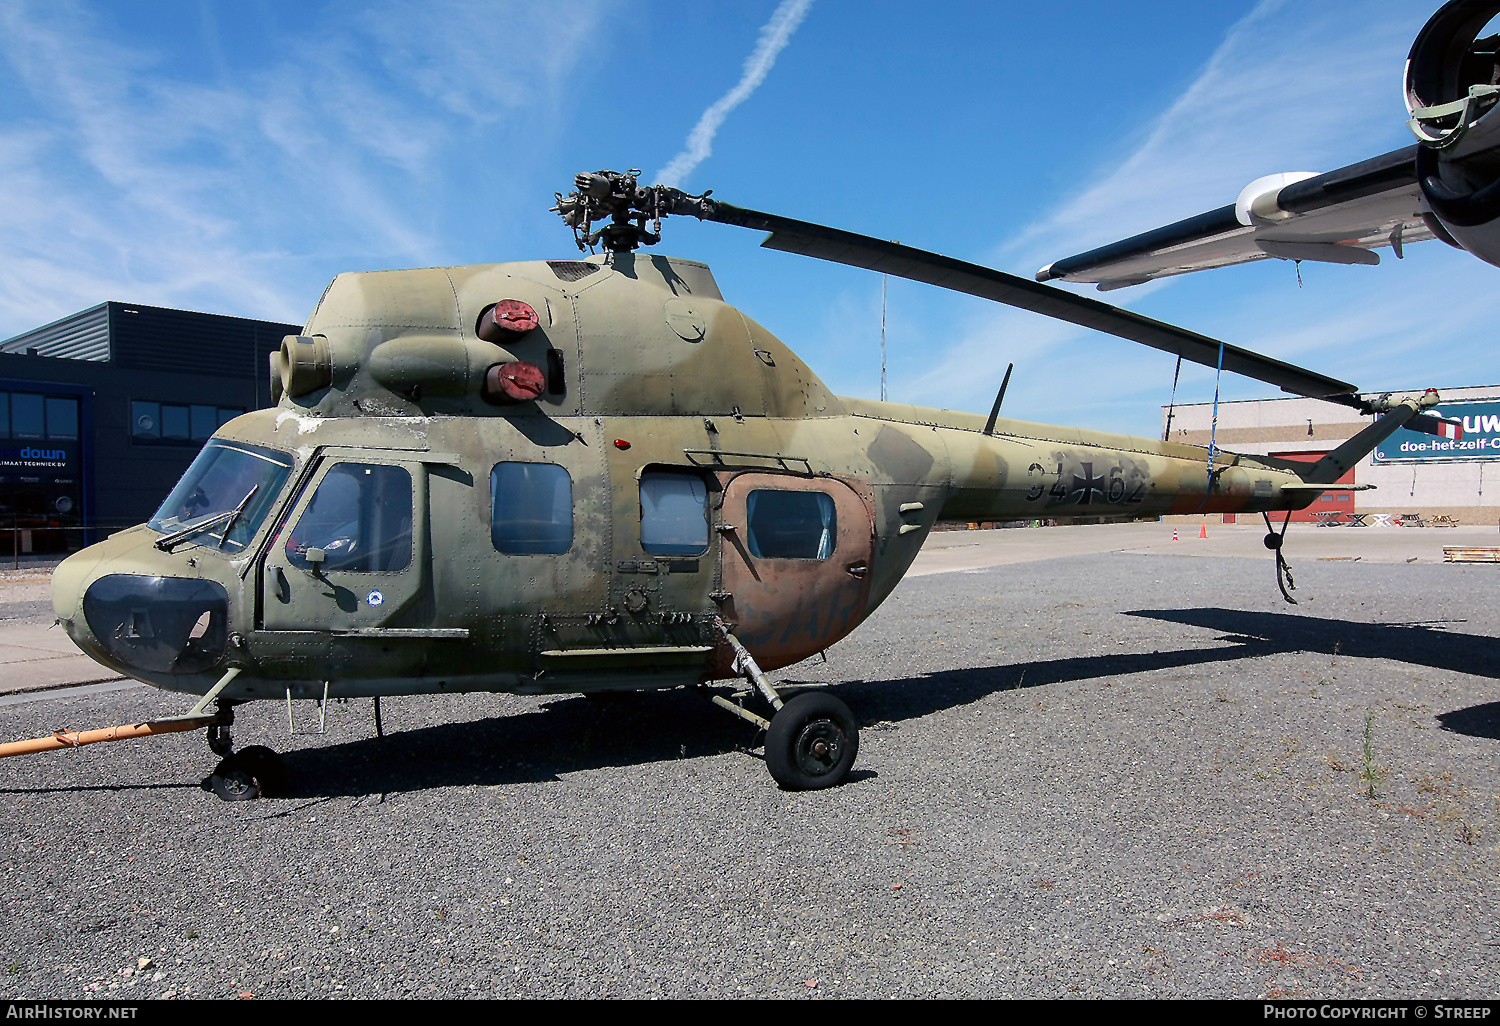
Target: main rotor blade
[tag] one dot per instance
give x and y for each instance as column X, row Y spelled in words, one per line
column 815, row 240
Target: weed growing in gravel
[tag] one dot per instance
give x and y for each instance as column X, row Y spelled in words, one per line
column 1371, row 775
column 1466, row 834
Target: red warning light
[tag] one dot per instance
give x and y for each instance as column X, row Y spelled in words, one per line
column 620, row 443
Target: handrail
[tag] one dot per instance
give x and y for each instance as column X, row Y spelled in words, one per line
column 717, row 459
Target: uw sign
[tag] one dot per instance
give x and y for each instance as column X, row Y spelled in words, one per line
column 1481, row 440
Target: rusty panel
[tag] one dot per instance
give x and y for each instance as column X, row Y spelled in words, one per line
column 785, row 610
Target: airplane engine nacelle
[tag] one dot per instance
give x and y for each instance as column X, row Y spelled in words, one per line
column 1452, row 90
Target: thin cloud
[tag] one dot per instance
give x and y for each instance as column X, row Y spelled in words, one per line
column 774, row 35
column 122, row 179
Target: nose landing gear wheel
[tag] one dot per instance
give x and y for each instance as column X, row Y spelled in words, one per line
column 812, row 742
column 247, row 775
column 233, row 783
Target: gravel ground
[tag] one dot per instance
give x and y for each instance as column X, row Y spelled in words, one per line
column 26, row 599
column 1103, row 776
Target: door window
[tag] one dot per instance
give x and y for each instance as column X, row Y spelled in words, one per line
column 674, row 514
column 531, row 508
column 791, row 525
column 360, row 517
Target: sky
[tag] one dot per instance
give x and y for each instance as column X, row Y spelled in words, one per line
column 233, row 158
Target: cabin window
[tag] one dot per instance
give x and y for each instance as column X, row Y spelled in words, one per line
column 674, row 514
column 791, row 525
column 360, row 517
column 531, row 509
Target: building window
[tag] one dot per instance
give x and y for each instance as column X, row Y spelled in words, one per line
column 791, row 525
column 531, row 509
column 145, row 421
column 62, row 418
column 28, row 415
column 674, row 513
column 175, row 423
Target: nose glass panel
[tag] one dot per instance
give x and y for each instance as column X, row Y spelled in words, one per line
column 160, row 624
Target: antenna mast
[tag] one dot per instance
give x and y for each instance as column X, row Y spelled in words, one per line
column 882, row 338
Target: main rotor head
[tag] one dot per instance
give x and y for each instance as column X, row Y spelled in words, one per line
column 619, row 198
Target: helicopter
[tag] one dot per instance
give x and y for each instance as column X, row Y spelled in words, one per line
column 594, row 475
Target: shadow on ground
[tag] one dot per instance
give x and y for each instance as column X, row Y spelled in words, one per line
column 575, row 734
column 1476, row 721
column 1421, row 643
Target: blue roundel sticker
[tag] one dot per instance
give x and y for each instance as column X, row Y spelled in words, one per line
column 375, row 598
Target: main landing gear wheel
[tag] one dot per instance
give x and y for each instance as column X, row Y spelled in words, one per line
column 247, row 775
column 812, row 742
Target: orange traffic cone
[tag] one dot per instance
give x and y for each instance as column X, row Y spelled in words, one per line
column 1174, row 534
column 1203, row 531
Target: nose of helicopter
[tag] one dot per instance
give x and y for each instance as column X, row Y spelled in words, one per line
column 141, row 618
column 69, row 581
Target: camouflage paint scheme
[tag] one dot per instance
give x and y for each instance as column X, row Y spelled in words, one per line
column 649, row 355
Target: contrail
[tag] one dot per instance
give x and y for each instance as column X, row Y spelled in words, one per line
column 774, row 35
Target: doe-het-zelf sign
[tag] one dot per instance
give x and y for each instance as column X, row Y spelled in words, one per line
column 1480, row 441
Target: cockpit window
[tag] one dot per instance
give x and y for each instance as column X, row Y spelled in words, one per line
column 360, row 517
column 216, row 484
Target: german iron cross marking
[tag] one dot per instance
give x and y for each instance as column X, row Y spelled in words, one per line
column 1088, row 485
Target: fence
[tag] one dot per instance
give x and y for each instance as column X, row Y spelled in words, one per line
column 23, row 538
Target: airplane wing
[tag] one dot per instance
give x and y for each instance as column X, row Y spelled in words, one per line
column 1340, row 217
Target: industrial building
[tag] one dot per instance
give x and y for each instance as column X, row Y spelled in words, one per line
column 1435, row 479
column 102, row 411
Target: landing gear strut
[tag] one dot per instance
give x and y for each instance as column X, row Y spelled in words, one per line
column 220, row 741
column 811, row 739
